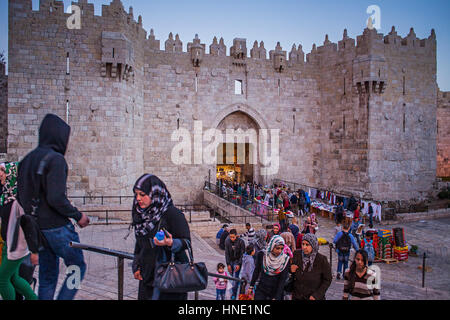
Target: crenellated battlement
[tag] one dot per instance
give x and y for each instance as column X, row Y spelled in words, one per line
column 51, row 10
column 373, row 43
column 370, row 42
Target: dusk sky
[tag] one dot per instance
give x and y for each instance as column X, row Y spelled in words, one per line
column 286, row 21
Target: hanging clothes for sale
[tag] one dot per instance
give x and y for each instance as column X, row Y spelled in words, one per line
column 365, row 208
column 377, row 211
column 313, row 193
column 345, row 201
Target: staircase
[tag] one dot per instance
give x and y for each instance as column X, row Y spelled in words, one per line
column 202, row 223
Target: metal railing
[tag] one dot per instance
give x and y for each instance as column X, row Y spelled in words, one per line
column 185, row 208
column 258, row 209
column 100, row 197
column 121, row 256
column 246, row 218
column 106, row 212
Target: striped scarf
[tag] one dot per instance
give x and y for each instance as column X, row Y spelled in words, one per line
column 145, row 220
column 308, row 260
column 274, row 265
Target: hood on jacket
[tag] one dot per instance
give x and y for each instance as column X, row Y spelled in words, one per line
column 54, row 133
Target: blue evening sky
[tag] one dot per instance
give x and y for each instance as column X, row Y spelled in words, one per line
column 286, row 21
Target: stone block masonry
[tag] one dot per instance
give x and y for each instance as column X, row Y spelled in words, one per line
column 357, row 116
column 3, row 108
column 443, row 135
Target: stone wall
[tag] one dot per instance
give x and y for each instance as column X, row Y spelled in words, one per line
column 345, row 122
column 443, row 134
column 3, row 108
column 105, row 113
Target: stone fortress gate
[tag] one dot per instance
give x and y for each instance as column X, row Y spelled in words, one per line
column 357, row 116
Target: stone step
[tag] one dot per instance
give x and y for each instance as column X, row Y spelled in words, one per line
column 197, row 216
column 206, row 229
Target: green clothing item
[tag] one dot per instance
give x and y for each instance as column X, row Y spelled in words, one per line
column 10, row 281
column 10, row 188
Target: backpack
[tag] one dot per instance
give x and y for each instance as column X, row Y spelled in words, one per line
column 344, row 243
column 368, row 247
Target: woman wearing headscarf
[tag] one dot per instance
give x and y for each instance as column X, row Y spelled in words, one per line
column 10, row 281
column 289, row 241
column 272, row 269
column 259, row 242
column 312, row 274
column 274, row 232
column 153, row 210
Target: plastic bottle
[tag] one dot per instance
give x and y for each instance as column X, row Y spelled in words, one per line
column 160, row 235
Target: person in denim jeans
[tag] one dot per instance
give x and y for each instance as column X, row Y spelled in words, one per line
column 234, row 251
column 58, row 241
column 47, row 190
column 343, row 257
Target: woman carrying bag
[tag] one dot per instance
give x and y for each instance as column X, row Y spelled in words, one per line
column 153, row 210
column 15, row 249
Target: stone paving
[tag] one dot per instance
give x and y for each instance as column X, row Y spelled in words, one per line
column 398, row 281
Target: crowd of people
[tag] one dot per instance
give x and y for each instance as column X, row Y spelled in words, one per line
column 281, row 261
column 275, row 196
column 276, row 262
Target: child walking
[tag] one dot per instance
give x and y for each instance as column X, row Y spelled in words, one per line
column 221, row 284
column 248, row 265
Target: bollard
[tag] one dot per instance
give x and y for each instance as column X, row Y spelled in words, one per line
column 331, row 256
column 423, row 270
column 120, row 278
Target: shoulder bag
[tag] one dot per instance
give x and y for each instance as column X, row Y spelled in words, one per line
column 176, row 277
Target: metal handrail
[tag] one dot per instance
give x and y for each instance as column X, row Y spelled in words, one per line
column 121, row 256
column 248, row 202
column 183, row 207
column 99, row 197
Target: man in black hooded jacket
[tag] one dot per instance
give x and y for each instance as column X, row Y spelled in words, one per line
column 54, row 209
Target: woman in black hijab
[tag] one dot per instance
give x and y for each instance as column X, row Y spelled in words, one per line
column 153, row 210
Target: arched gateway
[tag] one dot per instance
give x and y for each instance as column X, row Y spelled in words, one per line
column 237, row 156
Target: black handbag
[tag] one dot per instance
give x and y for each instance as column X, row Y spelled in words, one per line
column 173, row 277
column 289, row 285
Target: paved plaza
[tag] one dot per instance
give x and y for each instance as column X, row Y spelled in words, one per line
column 400, row 281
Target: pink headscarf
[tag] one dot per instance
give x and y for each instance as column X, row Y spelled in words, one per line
column 288, row 251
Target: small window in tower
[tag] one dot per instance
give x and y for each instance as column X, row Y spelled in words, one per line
column 67, row 111
column 67, row 64
column 238, row 87
column 196, row 83
column 344, row 86
column 114, row 53
column 404, row 121
column 404, row 85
